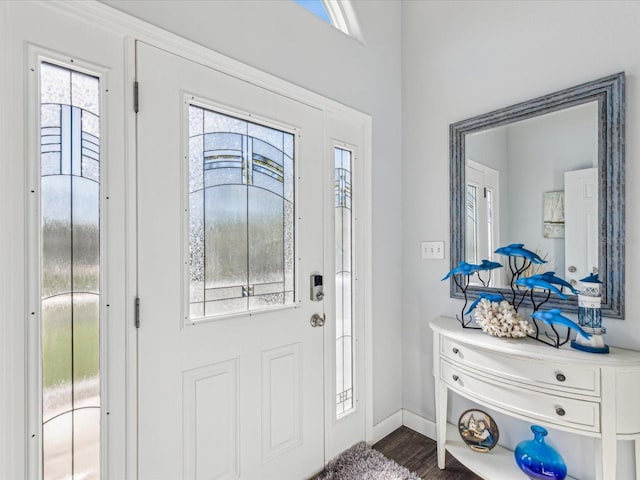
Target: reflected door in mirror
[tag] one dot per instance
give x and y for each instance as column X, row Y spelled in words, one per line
column 581, row 224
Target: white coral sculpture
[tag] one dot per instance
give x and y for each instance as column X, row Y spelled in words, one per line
column 501, row 319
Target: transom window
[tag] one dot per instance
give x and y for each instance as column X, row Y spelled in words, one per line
column 338, row 13
column 241, row 215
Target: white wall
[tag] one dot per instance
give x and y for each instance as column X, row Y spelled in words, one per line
column 283, row 39
column 464, row 58
column 541, row 149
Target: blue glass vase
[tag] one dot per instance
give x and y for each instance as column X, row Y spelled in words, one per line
column 538, row 459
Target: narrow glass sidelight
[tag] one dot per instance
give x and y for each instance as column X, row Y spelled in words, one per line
column 344, row 288
column 471, row 235
column 70, row 272
column 241, row 215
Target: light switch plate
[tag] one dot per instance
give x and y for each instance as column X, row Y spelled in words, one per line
column 432, row 250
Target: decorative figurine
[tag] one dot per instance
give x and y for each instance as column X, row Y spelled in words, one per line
column 513, row 252
column 555, row 317
column 492, row 297
column 539, row 282
column 590, row 317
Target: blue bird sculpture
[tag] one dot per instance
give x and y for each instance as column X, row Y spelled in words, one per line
column 492, row 297
column 532, row 282
column 554, row 317
column 463, row 268
column 551, row 278
column 518, row 250
column 488, row 265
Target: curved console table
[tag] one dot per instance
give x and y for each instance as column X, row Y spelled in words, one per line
column 583, row 393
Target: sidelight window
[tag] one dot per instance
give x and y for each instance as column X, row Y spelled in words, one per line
column 344, row 288
column 70, row 272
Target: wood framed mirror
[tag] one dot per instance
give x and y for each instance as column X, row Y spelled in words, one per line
column 549, row 173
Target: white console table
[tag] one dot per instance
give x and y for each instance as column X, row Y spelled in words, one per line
column 597, row 395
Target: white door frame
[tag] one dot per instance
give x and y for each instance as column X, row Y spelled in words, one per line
column 13, row 208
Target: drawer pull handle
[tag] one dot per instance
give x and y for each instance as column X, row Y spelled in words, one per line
column 560, row 411
column 560, row 377
column 455, row 350
column 456, row 378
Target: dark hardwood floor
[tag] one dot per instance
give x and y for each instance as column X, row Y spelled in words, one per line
column 418, row 454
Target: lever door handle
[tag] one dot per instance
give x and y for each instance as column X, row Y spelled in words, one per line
column 317, row 320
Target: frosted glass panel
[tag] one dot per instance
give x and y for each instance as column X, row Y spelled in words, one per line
column 344, row 292
column 85, row 92
column 57, row 378
column 86, row 352
column 86, row 450
column 196, row 241
column 55, row 84
column 57, row 448
column 56, row 234
column 241, row 215
column 225, row 213
column 86, row 235
column 70, row 272
column 267, row 135
column 265, row 237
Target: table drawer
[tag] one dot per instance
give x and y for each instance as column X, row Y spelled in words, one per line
column 576, row 378
column 534, row 404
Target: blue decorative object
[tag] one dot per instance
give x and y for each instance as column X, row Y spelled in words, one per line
column 492, row 297
column 520, row 260
column 538, row 459
column 518, row 250
column 463, row 268
column 551, row 278
column 489, row 265
column 532, row 282
column 555, row 317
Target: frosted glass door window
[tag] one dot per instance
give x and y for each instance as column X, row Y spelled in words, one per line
column 70, row 272
column 241, row 215
column 344, row 264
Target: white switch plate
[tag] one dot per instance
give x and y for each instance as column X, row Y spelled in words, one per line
column 432, row 250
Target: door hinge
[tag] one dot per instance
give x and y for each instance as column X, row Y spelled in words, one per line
column 135, row 97
column 485, row 188
column 137, row 313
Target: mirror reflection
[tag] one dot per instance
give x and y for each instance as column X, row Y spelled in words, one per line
column 548, row 173
column 535, row 181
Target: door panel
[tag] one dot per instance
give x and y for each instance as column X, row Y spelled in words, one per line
column 238, row 395
column 581, row 223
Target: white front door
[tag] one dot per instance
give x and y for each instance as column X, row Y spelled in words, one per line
column 581, row 223
column 230, row 230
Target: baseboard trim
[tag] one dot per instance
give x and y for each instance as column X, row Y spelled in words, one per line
column 420, row 424
column 403, row 417
column 385, row 427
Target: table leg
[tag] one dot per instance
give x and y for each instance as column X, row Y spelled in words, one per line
column 441, row 422
column 637, row 445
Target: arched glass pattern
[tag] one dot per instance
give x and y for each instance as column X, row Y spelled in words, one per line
column 241, row 215
column 70, row 272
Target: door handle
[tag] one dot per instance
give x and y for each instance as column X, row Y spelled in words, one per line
column 317, row 320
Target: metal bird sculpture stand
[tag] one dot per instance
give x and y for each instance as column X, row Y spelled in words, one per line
column 517, row 254
column 520, row 259
column 487, row 266
column 552, row 318
column 461, row 276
